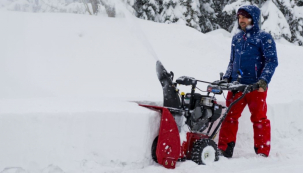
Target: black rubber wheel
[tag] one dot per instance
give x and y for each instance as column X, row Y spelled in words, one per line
column 154, row 149
column 205, row 151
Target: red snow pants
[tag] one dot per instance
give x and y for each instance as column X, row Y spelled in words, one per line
column 256, row 102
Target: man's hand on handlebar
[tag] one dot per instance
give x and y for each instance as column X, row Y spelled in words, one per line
column 261, row 90
column 263, row 85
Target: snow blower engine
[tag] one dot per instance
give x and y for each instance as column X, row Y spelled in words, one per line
column 200, row 111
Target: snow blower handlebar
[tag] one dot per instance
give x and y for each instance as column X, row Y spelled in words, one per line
column 234, row 87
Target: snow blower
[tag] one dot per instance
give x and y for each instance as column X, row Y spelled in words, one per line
column 200, row 111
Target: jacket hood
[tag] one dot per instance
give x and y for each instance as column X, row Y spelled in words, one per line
column 254, row 12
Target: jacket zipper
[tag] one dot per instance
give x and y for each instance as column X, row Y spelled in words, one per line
column 256, row 71
column 245, row 38
column 243, row 46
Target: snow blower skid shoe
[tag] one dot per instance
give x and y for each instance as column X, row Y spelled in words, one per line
column 200, row 111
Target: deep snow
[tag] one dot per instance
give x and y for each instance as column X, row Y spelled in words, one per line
column 70, row 83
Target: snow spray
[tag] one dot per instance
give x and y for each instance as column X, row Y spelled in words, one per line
column 136, row 30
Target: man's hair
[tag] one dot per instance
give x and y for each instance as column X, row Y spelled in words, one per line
column 243, row 13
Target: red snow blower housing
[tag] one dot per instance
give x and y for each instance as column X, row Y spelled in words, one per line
column 200, row 111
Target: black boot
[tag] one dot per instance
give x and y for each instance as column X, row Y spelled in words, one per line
column 259, row 154
column 228, row 153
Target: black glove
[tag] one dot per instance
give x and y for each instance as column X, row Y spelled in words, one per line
column 262, row 84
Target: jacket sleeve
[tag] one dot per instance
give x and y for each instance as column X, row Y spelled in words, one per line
column 229, row 70
column 270, row 54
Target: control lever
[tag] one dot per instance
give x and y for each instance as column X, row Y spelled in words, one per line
column 172, row 75
column 221, row 75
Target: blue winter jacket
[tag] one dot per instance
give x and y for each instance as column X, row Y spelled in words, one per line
column 253, row 52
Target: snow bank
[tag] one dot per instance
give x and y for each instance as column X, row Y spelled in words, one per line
column 72, row 134
column 68, row 82
column 220, row 33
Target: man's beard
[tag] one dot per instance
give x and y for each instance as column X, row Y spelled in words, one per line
column 243, row 23
column 243, row 26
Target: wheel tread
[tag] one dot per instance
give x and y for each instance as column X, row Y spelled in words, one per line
column 198, row 147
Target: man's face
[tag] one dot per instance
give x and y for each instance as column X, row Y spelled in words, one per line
column 244, row 22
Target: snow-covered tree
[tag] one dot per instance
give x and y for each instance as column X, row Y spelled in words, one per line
column 191, row 13
column 171, row 11
column 234, row 5
column 22, row 5
column 61, row 6
column 207, row 16
column 223, row 19
column 147, row 9
column 299, row 3
column 109, row 7
column 281, row 18
column 274, row 21
column 294, row 16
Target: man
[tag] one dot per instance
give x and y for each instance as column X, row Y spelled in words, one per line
column 253, row 52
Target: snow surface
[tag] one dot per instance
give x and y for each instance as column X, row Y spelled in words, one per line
column 70, row 84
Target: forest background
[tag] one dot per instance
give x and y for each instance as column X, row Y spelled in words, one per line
column 281, row 18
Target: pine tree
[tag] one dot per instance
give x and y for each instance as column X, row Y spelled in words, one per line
column 295, row 22
column 299, row 3
column 108, row 5
column 275, row 21
column 208, row 16
column 191, row 13
column 223, row 19
column 147, row 9
column 171, row 12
